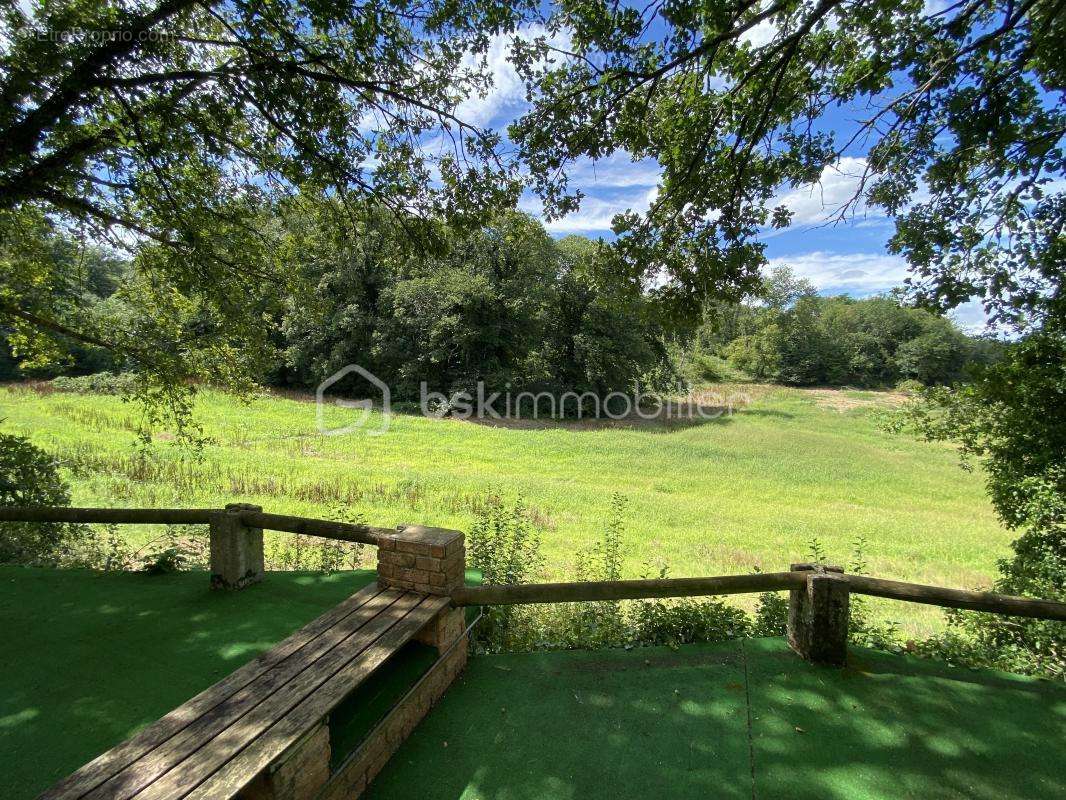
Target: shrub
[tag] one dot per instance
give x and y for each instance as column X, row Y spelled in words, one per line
column 909, row 386
column 771, row 615
column 1009, row 420
column 120, row 383
column 685, row 621
column 180, row 548
column 30, row 477
column 504, row 546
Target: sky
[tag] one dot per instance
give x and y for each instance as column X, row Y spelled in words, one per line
column 847, row 257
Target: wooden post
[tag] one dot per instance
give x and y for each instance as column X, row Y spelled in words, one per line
column 818, row 615
column 236, row 549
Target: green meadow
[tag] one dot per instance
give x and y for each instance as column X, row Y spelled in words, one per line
column 743, row 491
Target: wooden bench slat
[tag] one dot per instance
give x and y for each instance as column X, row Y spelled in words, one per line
column 219, row 749
column 239, row 771
column 110, row 763
column 139, row 774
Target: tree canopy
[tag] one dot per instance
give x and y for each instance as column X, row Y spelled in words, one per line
column 177, row 129
column 961, row 128
column 172, row 127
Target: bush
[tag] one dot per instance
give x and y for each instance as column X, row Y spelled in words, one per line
column 504, row 547
column 1009, row 420
column 685, row 621
column 909, row 386
column 30, row 477
column 121, row 383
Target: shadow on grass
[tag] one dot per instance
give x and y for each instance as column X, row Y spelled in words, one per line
column 661, row 420
column 734, row 720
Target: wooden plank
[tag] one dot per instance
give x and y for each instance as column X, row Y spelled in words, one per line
column 220, row 749
column 151, row 766
column 107, row 764
column 324, row 528
column 230, row 779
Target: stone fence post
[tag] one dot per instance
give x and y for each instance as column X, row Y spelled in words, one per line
column 236, row 549
column 818, row 615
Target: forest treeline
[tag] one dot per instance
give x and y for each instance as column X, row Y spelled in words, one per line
column 507, row 304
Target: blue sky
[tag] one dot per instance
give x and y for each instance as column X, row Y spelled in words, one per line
column 841, row 258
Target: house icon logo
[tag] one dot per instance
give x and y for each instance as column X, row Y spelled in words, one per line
column 335, row 427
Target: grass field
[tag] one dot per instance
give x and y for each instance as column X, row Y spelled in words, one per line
column 744, row 491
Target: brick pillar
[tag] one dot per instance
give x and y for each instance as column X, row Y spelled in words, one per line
column 430, row 561
column 420, row 559
column 236, row 549
column 818, row 615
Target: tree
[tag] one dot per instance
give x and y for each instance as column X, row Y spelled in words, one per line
column 1009, row 420
column 173, row 127
column 503, row 304
column 475, row 313
column 937, row 355
column 842, row 341
column 961, row 145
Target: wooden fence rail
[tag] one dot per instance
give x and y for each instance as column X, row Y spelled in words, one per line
column 760, row 582
column 117, row 516
column 958, row 598
column 248, row 519
column 626, row 590
column 327, row 529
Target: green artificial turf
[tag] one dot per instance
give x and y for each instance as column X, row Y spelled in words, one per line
column 742, row 719
column 89, row 658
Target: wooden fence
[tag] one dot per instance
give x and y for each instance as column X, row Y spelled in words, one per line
column 818, row 604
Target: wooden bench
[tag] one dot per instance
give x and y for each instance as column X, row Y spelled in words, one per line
column 226, row 741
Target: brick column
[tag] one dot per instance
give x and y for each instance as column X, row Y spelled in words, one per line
column 420, row 559
column 430, row 561
column 818, row 615
column 236, row 549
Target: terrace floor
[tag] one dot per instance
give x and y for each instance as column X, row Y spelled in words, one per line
column 741, row 719
column 89, row 658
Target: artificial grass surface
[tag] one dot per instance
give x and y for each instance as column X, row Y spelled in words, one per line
column 89, row 658
column 741, row 719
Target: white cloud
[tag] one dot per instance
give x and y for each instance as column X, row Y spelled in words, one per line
column 596, row 213
column 506, row 95
column 817, row 202
column 761, row 34
column 971, row 317
column 858, row 274
column 617, row 170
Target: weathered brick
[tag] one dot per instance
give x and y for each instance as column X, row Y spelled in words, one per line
column 400, row 559
column 298, row 774
column 371, row 756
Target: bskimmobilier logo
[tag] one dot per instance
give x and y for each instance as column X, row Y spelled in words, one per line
column 365, row 405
